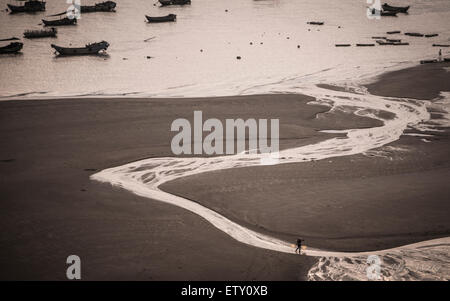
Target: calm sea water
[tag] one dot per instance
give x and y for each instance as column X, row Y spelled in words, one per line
column 196, row 56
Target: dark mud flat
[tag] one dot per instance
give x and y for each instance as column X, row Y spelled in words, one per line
column 50, row 208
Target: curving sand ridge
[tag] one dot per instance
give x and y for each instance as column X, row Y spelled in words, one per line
column 144, row 177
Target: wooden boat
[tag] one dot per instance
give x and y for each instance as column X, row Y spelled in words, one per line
column 168, row 18
column 174, row 2
column 343, row 45
column 380, row 42
column 414, row 34
column 13, row 47
column 61, row 21
column 364, row 45
column 441, row 45
column 393, row 32
column 315, row 23
column 431, row 35
column 27, row 7
column 44, row 33
column 398, row 9
column 394, row 40
column 383, row 13
column 107, row 6
column 93, row 48
column 446, row 59
column 378, row 38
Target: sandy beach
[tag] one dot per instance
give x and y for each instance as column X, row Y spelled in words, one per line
column 50, row 208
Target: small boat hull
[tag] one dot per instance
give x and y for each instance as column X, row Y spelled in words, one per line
column 414, row 34
column 174, row 2
column 168, row 18
column 398, row 9
column 107, row 6
column 315, row 23
column 28, row 7
column 90, row 49
column 13, row 47
column 61, row 22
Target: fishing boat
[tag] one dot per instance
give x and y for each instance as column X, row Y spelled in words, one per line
column 398, row 9
column 365, row 45
column 43, row 33
column 441, row 45
column 393, row 32
column 174, row 2
column 393, row 42
column 414, row 34
column 380, row 42
column 27, row 7
column 13, row 47
column 60, row 21
column 168, row 18
column 93, row 48
column 431, row 35
column 383, row 13
column 343, row 45
column 107, row 6
column 315, row 23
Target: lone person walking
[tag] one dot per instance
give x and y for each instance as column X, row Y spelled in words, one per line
column 299, row 246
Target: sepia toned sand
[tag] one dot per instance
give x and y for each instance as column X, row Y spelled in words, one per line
column 386, row 198
column 50, row 209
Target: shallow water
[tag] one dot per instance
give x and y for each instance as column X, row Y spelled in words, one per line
column 179, row 68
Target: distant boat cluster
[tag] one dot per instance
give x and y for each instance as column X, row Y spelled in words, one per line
column 59, row 19
column 391, row 11
column 65, row 19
